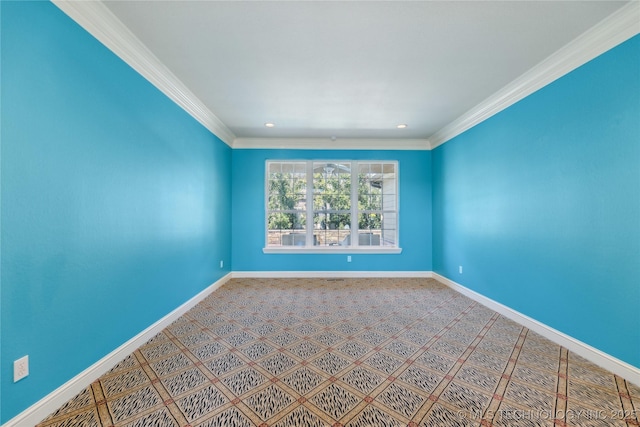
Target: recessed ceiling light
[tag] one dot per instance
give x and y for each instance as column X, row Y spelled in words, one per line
column 402, row 126
column 270, row 125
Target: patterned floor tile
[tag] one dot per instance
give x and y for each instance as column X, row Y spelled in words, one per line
column 201, row 402
column 372, row 416
column 229, row 418
column 328, row 338
column 579, row 415
column 184, row 381
column 303, row 380
column 508, row 415
column 208, row 351
column 194, row 340
column 416, row 337
column 127, row 363
column 159, row 418
column 132, row 404
column 159, row 351
column 401, row 399
column 330, row 363
column 302, row 417
column 269, row 401
column 436, row 362
column 335, row 401
column 225, row 329
column 354, row 349
column 488, row 361
column 421, row 378
column 481, row 378
column 240, row 338
column 284, row 339
column 305, row 349
column 592, row 374
column 372, row 338
column 384, row 362
column 450, row 348
column 548, row 362
column 465, row 398
column 82, row 400
column 244, row 380
column 185, row 328
column 265, row 329
column 401, row 349
column 347, row 328
column 123, row 382
column 224, row 364
column 257, row 350
column 536, row 399
column 543, row 380
column 441, row 416
column 306, row 329
column 278, row 363
column 363, row 379
column 171, row 364
column 88, row 418
column 593, row 396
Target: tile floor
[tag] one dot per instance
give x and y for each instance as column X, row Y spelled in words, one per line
column 349, row 352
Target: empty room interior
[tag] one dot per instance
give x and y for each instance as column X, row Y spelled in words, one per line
column 319, row 213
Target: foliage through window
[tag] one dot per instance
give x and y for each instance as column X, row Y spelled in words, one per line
column 332, row 204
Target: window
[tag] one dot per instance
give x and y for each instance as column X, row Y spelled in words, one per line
column 332, row 205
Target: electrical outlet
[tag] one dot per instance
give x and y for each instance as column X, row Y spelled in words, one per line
column 348, row 258
column 20, row 368
column 460, row 269
column 221, row 264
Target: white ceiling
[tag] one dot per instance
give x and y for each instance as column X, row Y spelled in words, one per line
column 351, row 69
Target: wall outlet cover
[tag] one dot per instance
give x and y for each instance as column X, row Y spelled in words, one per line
column 20, row 368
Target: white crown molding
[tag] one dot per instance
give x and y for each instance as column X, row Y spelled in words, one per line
column 330, row 144
column 600, row 358
column 100, row 22
column 54, row 400
column 608, row 33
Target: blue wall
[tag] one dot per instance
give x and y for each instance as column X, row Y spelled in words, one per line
column 541, row 205
column 249, row 214
column 110, row 194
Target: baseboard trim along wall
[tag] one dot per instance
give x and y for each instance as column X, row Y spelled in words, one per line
column 39, row 410
column 600, row 358
column 62, row 394
column 327, row 274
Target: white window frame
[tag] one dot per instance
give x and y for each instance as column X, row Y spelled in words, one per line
column 355, row 247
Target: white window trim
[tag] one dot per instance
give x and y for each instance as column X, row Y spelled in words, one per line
column 311, row 249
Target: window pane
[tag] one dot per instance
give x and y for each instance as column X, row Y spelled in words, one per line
column 369, row 221
column 376, row 209
column 331, row 228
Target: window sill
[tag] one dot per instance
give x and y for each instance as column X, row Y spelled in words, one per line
column 330, row 250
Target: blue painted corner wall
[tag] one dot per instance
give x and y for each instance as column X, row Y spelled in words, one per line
column 540, row 204
column 110, row 194
column 115, row 202
column 248, row 206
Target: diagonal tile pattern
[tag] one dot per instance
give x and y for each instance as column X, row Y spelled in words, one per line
column 352, row 352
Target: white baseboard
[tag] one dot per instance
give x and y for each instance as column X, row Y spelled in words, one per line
column 327, row 274
column 600, row 358
column 51, row 402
